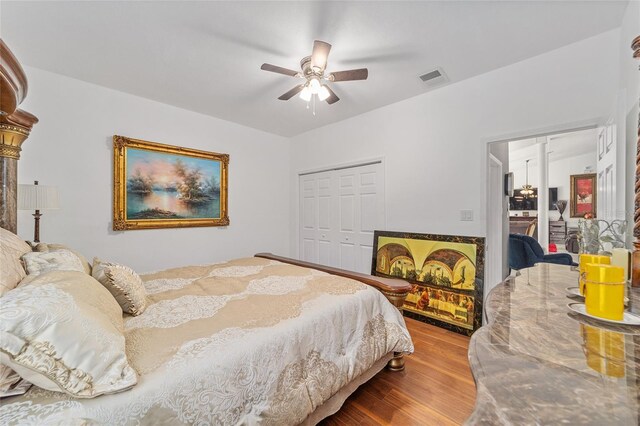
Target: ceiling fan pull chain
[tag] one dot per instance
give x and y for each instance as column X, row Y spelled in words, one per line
column 314, row 105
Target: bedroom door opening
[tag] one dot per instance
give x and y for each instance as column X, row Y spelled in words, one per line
column 339, row 210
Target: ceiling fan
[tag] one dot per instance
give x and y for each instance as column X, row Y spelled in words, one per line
column 313, row 71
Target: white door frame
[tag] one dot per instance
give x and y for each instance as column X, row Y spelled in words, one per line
column 495, row 218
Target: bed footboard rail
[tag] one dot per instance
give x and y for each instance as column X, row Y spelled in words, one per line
column 395, row 290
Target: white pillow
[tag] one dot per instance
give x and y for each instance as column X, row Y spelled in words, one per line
column 11, row 250
column 63, row 331
column 46, row 247
column 37, row 263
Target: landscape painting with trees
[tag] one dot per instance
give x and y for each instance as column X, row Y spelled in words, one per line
column 164, row 186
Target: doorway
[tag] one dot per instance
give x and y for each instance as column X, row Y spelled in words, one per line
column 568, row 151
column 339, row 210
column 547, row 165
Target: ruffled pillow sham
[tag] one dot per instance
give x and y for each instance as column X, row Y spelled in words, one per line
column 63, row 331
column 37, row 263
column 123, row 283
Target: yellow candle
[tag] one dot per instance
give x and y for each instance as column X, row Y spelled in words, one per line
column 604, row 291
column 590, row 258
column 620, row 257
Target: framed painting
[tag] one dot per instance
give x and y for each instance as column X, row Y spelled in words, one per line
column 445, row 271
column 165, row 186
column 584, row 195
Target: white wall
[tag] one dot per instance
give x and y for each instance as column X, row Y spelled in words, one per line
column 434, row 145
column 71, row 147
column 560, row 171
column 627, row 107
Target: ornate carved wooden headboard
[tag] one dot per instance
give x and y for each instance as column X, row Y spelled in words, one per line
column 15, row 126
column 635, row 46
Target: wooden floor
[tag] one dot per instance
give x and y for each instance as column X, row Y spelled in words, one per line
column 436, row 387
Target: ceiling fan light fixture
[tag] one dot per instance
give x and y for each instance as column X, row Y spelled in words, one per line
column 323, row 93
column 527, row 190
column 314, row 85
column 306, row 94
column 313, row 74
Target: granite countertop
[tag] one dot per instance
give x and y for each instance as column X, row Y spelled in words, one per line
column 537, row 362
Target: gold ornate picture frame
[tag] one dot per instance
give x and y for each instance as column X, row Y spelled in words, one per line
column 584, row 196
column 166, row 186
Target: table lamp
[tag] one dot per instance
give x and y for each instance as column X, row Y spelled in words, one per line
column 37, row 197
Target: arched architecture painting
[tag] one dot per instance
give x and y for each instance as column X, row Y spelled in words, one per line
column 445, row 271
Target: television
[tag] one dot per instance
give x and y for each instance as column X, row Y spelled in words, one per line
column 518, row 202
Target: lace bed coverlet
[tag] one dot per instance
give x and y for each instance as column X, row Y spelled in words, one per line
column 250, row 341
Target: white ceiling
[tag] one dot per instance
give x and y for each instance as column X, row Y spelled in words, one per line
column 560, row 146
column 206, row 56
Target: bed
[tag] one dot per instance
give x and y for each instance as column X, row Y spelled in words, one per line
column 258, row 340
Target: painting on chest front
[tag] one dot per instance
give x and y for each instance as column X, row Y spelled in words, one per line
column 445, row 271
column 164, row 186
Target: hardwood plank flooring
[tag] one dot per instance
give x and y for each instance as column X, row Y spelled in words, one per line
column 436, row 387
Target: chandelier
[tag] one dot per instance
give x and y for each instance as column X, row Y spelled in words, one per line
column 527, row 190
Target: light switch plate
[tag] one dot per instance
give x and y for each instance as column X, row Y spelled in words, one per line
column 466, row 215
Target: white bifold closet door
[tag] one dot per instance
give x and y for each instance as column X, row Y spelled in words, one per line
column 339, row 210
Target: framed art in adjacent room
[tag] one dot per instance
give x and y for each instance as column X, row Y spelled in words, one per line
column 445, row 271
column 165, row 186
column 583, row 202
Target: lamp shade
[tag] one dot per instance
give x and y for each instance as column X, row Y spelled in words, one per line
column 37, row 197
column 306, row 94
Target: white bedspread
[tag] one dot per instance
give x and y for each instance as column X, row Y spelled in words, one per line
column 250, row 341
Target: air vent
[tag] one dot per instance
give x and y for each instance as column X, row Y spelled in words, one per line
column 430, row 75
column 435, row 77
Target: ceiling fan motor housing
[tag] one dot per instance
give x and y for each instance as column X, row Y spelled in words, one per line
column 307, row 70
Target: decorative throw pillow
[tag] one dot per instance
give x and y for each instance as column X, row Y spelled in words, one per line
column 123, row 283
column 62, row 331
column 46, row 247
column 11, row 250
column 60, row 260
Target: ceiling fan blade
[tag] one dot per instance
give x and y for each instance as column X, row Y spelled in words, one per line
column 279, row 70
column 333, row 98
column 350, row 75
column 320, row 54
column 291, row 93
